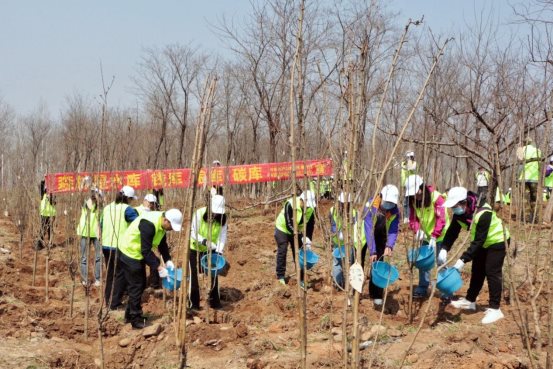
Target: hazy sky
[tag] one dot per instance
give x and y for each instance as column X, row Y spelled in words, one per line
column 50, row 49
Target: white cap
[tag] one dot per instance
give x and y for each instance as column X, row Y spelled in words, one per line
column 455, row 195
column 218, row 204
column 412, row 184
column 551, row 159
column 390, row 193
column 150, row 198
column 128, row 191
column 342, row 197
column 309, row 198
column 174, row 216
column 216, row 162
column 410, row 153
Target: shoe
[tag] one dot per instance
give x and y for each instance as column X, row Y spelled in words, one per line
column 97, row 283
column 378, row 302
column 419, row 294
column 445, row 300
column 282, row 281
column 138, row 324
column 463, row 304
column 216, row 306
column 492, row 316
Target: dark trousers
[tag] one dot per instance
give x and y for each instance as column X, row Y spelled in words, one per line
column 132, row 275
column 380, row 238
column 283, row 240
column 487, row 264
column 154, row 280
column 214, row 299
column 113, row 268
column 45, row 229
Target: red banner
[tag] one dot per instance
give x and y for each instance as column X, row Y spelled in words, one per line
column 181, row 178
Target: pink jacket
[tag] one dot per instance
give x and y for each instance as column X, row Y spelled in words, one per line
column 439, row 210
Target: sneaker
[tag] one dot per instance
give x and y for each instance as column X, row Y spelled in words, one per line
column 282, row 281
column 463, row 304
column 378, row 302
column 138, row 324
column 420, row 294
column 492, row 316
column 97, row 283
column 445, row 300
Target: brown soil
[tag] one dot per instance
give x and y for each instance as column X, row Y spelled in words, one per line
column 258, row 326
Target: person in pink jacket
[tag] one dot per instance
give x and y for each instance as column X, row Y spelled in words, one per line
column 427, row 219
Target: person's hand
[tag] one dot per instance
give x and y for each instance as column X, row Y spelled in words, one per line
column 388, row 251
column 207, row 243
column 169, row 265
column 459, row 265
column 308, row 243
column 420, row 235
column 432, row 243
column 340, row 236
column 442, row 257
column 163, row 273
column 373, row 258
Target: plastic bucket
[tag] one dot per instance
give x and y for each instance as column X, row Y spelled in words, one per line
column 383, row 274
column 169, row 282
column 340, row 252
column 310, row 258
column 217, row 263
column 449, row 281
column 425, row 258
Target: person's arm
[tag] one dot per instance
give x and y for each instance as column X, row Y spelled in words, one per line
column 147, row 233
column 310, row 227
column 369, row 234
column 222, row 239
column 548, row 171
column 289, row 217
column 439, row 211
column 195, row 229
column 452, row 233
column 414, row 223
column 130, row 214
column 480, row 236
column 164, row 249
column 393, row 232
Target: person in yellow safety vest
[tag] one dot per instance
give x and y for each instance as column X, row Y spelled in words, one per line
column 548, row 178
column 47, row 212
column 114, row 221
column 530, row 156
column 149, row 204
column 428, row 220
column 284, row 230
column 160, row 198
column 202, row 239
column 489, row 239
column 337, row 229
column 381, row 224
column 408, row 168
column 144, row 236
column 89, row 229
column 482, row 182
column 325, row 189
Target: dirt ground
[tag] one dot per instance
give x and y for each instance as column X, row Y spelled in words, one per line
column 258, row 326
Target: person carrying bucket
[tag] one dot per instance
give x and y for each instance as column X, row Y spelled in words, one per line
column 380, row 230
column 208, row 232
column 136, row 250
column 336, row 217
column 427, row 219
column 487, row 250
column 284, row 230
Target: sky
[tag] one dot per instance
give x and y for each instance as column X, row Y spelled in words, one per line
column 50, row 50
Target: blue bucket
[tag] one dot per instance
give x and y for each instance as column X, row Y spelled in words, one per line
column 425, row 258
column 217, row 263
column 340, row 252
column 311, row 258
column 449, row 281
column 383, row 274
column 169, row 282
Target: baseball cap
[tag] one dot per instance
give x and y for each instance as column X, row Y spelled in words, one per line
column 128, row 191
column 174, row 216
column 150, row 198
column 454, row 196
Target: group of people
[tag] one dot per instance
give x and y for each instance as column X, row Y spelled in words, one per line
column 376, row 228
column 129, row 238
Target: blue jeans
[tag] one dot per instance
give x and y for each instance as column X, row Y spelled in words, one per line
column 337, row 268
column 424, row 277
column 84, row 258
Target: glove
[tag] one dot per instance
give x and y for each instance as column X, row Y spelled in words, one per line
column 163, row 273
column 169, row 265
column 420, row 235
column 459, row 265
column 432, row 243
column 442, row 257
column 219, row 248
column 308, row 243
column 208, row 244
column 340, row 236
